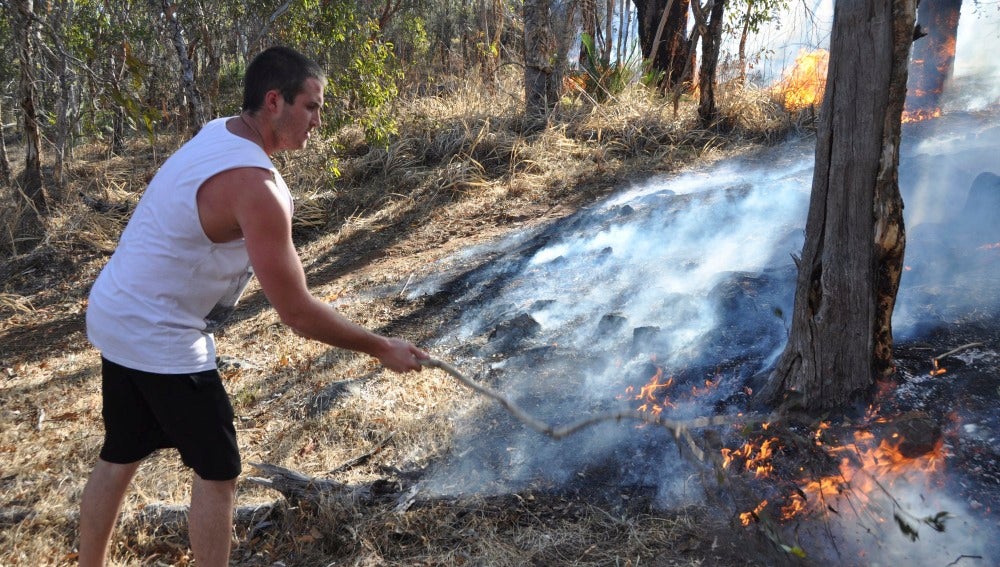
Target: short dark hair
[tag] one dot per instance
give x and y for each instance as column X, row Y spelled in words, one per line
column 277, row 68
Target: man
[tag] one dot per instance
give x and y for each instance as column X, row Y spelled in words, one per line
column 216, row 213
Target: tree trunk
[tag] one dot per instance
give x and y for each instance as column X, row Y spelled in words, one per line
column 64, row 106
column 195, row 105
column 708, row 112
column 742, row 49
column 933, row 56
column 31, row 180
column 841, row 334
column 5, row 171
column 609, row 18
column 670, row 54
column 491, row 24
column 541, row 87
column 588, row 21
column 214, row 53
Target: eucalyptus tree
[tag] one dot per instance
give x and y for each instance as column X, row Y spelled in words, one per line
column 23, row 221
column 176, row 34
column 840, row 341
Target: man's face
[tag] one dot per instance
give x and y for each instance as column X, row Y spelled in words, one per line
column 295, row 121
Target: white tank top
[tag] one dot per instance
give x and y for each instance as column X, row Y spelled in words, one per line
column 167, row 287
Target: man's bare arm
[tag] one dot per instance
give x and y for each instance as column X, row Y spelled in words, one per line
column 264, row 217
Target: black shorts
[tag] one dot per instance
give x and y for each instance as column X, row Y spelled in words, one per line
column 144, row 412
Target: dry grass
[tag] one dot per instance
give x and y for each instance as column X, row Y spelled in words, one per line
column 461, row 171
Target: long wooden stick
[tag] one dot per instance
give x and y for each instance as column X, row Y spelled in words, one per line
column 679, row 428
column 956, row 350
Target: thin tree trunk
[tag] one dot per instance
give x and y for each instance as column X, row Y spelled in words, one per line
column 195, row 105
column 491, row 23
column 708, row 112
column 588, row 19
column 744, row 35
column 5, row 172
column 609, row 30
column 63, row 105
column 540, row 90
column 31, row 181
column 841, row 335
column 212, row 50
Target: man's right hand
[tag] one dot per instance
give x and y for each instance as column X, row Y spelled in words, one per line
column 402, row 356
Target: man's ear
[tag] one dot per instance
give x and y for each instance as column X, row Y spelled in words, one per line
column 272, row 99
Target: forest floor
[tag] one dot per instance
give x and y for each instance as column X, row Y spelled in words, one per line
column 459, row 176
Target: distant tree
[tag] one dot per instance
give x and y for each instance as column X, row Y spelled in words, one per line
column 710, row 26
column 933, row 56
column 663, row 38
column 177, row 34
column 746, row 17
column 5, row 170
column 24, row 24
column 841, row 333
column 541, row 78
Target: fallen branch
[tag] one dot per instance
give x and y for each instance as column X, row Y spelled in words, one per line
column 297, row 486
column 679, row 428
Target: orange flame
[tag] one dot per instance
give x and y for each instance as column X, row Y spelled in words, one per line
column 755, row 459
column 652, row 401
column 881, row 465
column 805, row 83
column 919, row 115
column 747, row 517
column 937, row 370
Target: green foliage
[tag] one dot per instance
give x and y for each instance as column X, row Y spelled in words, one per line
column 410, row 38
column 361, row 68
column 603, row 80
column 753, row 15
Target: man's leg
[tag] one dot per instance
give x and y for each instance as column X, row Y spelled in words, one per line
column 211, row 520
column 99, row 507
